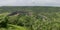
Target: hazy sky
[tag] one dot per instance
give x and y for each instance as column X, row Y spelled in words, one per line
column 29, row 2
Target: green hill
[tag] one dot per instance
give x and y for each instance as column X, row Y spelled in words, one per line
column 43, row 18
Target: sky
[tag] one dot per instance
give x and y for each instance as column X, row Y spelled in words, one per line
column 29, row 2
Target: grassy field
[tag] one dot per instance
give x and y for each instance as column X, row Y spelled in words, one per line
column 43, row 18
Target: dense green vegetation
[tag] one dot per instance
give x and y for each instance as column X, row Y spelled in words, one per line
column 43, row 18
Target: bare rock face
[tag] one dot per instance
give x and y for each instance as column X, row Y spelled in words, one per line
column 13, row 13
column 20, row 13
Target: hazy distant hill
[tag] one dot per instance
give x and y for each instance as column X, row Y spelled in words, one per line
column 33, row 8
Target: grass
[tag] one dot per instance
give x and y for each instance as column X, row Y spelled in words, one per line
column 14, row 27
column 10, row 26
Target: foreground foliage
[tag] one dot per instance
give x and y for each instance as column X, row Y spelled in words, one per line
column 44, row 18
column 41, row 21
column 14, row 27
